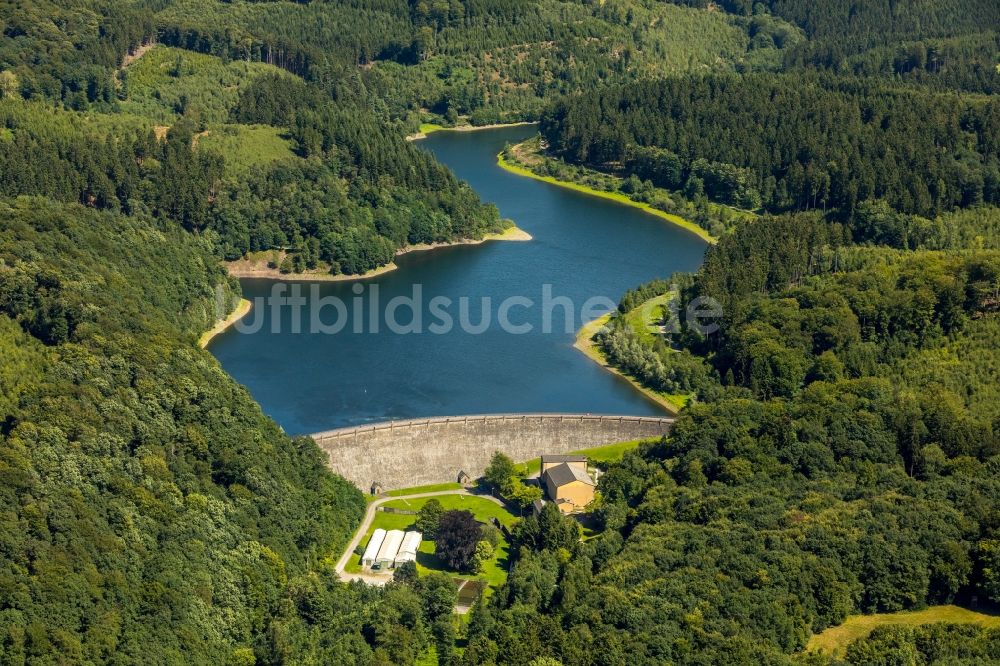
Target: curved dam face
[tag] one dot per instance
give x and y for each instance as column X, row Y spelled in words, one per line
column 401, row 454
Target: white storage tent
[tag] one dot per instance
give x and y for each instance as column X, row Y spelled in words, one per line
column 387, row 552
column 408, row 548
column 371, row 552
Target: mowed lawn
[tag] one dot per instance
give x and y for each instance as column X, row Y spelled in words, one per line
column 483, row 509
column 433, row 488
column 645, row 318
column 600, row 454
column 834, row 641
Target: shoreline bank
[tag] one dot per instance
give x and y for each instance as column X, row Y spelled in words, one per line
column 242, row 268
column 676, row 220
column 428, row 129
column 241, row 311
column 585, row 343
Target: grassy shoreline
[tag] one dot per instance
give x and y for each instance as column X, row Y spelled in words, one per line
column 241, row 311
column 617, row 197
column 585, row 343
column 243, row 268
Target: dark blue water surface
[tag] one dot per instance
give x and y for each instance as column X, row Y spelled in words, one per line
column 583, row 247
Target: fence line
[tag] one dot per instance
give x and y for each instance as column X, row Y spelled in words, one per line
column 352, row 431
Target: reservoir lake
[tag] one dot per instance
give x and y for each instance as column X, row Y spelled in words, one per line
column 583, row 249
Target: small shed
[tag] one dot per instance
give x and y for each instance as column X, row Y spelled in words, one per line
column 371, row 552
column 377, row 488
column 408, row 548
column 387, row 552
column 464, row 478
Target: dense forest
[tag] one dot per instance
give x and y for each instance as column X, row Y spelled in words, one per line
column 881, row 101
column 949, row 44
column 348, row 192
column 149, row 507
column 841, row 457
column 152, row 513
column 489, row 61
column 840, row 453
column 790, row 142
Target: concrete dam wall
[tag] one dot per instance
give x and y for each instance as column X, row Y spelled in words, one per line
column 400, row 454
